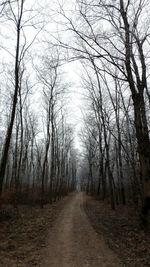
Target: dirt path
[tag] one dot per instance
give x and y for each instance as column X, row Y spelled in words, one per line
column 74, row 243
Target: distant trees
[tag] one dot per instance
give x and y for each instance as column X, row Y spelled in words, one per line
column 32, row 163
column 114, row 37
column 58, row 136
column 111, row 40
column 110, row 129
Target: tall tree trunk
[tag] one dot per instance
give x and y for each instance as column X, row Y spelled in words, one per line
column 140, row 120
column 52, row 169
column 13, row 112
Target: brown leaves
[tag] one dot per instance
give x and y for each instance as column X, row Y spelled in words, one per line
column 122, row 231
column 23, row 238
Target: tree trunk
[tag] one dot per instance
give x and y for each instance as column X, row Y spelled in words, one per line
column 13, row 113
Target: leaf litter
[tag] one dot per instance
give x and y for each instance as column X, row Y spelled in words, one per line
column 122, row 231
column 23, row 236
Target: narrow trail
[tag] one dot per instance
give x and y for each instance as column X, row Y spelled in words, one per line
column 73, row 242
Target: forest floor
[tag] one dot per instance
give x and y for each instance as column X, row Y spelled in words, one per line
column 121, row 230
column 77, row 231
column 60, row 235
column 23, row 236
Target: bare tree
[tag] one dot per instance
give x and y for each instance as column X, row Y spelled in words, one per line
column 115, row 36
column 14, row 13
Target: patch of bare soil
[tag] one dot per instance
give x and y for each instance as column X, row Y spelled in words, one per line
column 122, row 231
column 23, row 236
